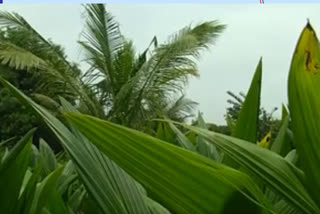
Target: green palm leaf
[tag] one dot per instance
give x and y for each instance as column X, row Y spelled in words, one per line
column 182, row 181
column 12, row 171
column 247, row 123
column 112, row 189
column 304, row 100
column 163, row 74
column 102, row 42
column 166, row 171
column 46, row 196
column 269, row 167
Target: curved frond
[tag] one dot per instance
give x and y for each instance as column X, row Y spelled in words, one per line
column 102, row 40
column 19, row 58
column 166, row 71
column 27, row 49
column 15, row 21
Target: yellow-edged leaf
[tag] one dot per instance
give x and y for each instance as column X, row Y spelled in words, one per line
column 304, row 103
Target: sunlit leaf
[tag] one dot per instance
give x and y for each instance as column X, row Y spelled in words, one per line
column 181, row 180
column 269, row 167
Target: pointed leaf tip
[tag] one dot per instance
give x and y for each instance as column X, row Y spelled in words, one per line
column 308, row 24
column 247, row 123
column 304, row 100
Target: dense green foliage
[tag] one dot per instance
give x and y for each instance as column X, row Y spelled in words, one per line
column 151, row 84
column 15, row 119
column 166, row 166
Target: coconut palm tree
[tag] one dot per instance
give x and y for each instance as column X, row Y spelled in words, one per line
column 120, row 85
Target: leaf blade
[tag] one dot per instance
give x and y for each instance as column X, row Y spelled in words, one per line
column 186, row 175
column 247, row 123
column 303, row 88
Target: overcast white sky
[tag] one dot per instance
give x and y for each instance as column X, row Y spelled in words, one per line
column 270, row 31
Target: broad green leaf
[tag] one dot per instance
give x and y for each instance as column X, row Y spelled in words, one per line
column 118, row 187
column 48, row 158
column 276, row 172
column 246, row 127
column 47, row 196
column 12, row 172
column 179, row 179
column 281, row 205
column 185, row 182
column 304, row 101
column 112, row 189
column 26, row 198
column 247, row 123
column 276, row 199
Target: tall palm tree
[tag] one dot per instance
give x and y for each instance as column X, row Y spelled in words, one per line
column 120, row 85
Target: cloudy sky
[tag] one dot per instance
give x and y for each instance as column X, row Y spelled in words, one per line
column 253, row 31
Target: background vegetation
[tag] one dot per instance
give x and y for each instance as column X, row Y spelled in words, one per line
column 115, row 138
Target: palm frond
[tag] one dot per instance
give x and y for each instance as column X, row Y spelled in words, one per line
column 181, row 109
column 124, row 63
column 30, row 49
column 19, row 58
column 102, row 40
column 168, row 68
column 15, row 21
